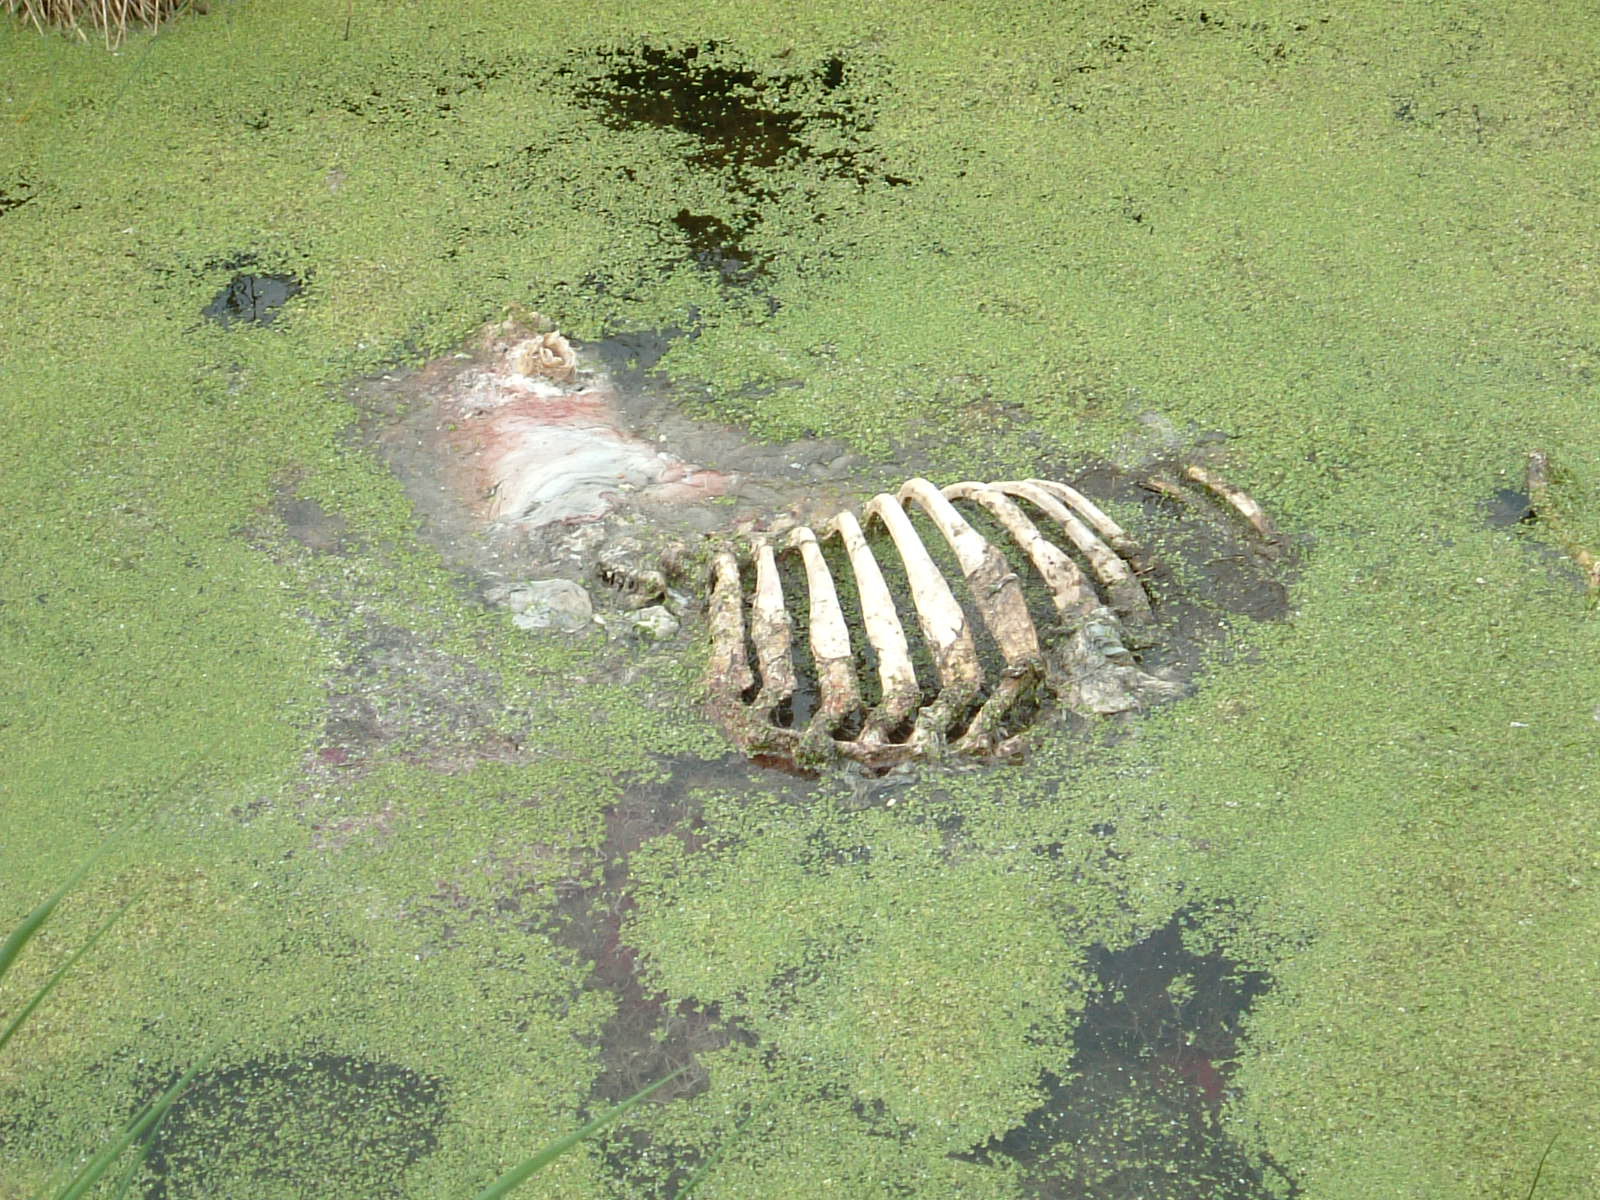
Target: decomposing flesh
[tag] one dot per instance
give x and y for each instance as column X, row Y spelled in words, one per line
column 858, row 694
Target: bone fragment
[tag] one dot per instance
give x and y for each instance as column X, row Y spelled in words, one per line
column 1540, row 474
column 1241, row 501
column 1125, row 592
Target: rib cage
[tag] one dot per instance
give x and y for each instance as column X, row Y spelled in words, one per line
column 1083, row 661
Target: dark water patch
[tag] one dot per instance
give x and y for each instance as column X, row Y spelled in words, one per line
column 739, row 117
column 307, row 522
column 648, row 1037
column 252, row 299
column 318, row 1125
column 752, row 128
column 714, row 245
column 1508, row 507
column 1138, row 1112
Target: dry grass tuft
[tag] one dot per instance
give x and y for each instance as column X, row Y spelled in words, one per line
column 112, row 18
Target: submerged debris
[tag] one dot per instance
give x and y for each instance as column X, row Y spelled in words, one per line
column 887, row 714
column 547, row 604
column 1540, row 476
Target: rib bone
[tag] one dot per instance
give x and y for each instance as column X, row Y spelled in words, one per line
column 1085, row 662
column 997, row 592
column 897, row 678
column 1241, row 501
column 1127, row 594
column 830, row 641
column 1073, row 596
column 943, row 624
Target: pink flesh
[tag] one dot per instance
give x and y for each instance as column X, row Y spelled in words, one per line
column 529, row 453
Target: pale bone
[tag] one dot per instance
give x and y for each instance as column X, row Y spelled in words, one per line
column 1242, row 502
column 1072, row 594
column 1114, row 534
column 772, row 632
column 830, row 641
column 897, row 678
column 726, row 618
column 943, row 624
column 997, row 592
column 1088, row 666
column 1126, row 592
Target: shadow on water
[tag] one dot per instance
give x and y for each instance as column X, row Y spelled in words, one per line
column 1139, row 1112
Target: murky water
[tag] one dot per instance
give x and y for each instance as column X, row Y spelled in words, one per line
column 652, row 475
column 1156, row 1044
column 1136, row 1049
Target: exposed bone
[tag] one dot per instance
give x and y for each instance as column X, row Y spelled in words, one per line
column 897, row 678
column 1126, row 593
column 1072, row 594
column 943, row 624
column 830, row 642
column 772, row 632
column 546, row 354
column 1087, row 665
column 728, row 661
column 1164, row 486
column 1241, row 501
column 997, row 592
column 728, row 673
column 1118, row 537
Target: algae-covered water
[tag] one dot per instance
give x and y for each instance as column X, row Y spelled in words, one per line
column 433, row 890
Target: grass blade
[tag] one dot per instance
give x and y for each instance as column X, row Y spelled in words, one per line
column 38, row 997
column 518, row 1174
column 154, row 1112
column 22, row 934
column 139, row 1158
column 1539, row 1170
column 31, row 924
